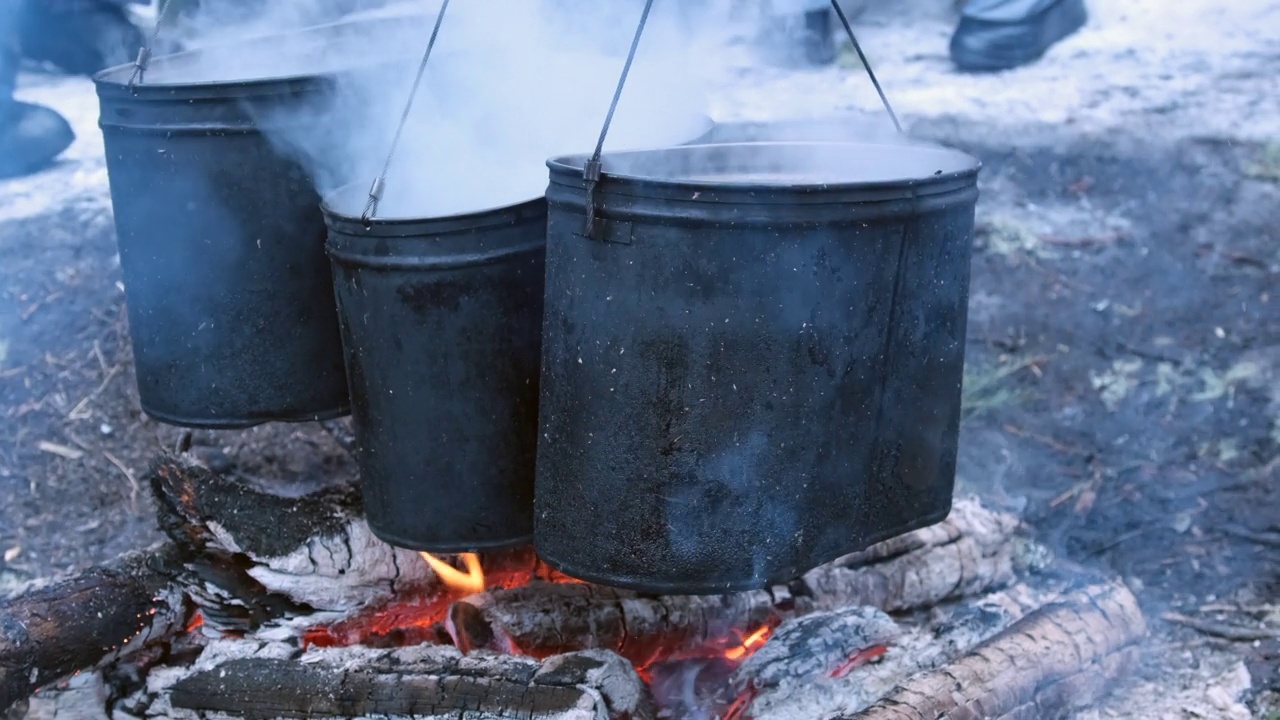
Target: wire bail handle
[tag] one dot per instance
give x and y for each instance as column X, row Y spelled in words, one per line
column 380, row 182
column 593, row 170
column 143, row 60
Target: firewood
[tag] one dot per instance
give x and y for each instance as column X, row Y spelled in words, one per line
column 58, row 627
column 1084, row 640
column 263, row 681
column 971, row 552
column 826, row 673
column 256, row 554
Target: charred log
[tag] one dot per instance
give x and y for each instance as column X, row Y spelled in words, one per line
column 243, row 679
column 837, row 662
column 254, row 555
column 973, row 551
column 1050, row 662
column 103, row 614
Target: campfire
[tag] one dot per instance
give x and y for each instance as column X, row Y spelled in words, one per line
column 311, row 615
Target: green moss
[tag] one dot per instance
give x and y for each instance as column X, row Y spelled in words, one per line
column 1266, row 166
column 987, row 389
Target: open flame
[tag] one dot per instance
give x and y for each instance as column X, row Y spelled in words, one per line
column 469, row 581
column 751, row 642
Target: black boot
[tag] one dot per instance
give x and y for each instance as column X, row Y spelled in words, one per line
column 30, row 137
column 1002, row 34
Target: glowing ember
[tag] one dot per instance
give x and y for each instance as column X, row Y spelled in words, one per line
column 196, row 621
column 414, row 617
column 858, row 659
column 737, row 710
column 753, row 640
column 471, row 581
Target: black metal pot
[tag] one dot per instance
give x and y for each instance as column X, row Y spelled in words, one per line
column 220, row 233
column 441, row 320
column 757, row 368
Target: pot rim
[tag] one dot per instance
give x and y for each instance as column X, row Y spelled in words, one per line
column 115, row 80
column 567, row 170
column 415, row 226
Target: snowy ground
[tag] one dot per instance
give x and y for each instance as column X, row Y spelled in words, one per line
column 1178, row 81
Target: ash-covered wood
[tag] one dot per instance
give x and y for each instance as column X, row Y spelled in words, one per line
column 287, row 579
column 104, row 613
column 971, row 552
column 263, row 681
column 255, row 555
column 1055, row 660
column 822, row 673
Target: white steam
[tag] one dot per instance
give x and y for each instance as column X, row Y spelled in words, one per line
column 510, row 84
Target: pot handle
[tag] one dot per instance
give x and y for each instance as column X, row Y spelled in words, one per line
column 380, row 182
column 592, row 171
column 141, row 62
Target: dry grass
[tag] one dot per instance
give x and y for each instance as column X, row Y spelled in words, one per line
column 987, row 389
column 1267, row 164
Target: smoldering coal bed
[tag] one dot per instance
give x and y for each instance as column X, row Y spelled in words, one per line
column 753, row 365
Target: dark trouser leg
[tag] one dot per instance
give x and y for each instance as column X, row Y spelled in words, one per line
column 9, row 53
column 799, row 32
column 79, row 36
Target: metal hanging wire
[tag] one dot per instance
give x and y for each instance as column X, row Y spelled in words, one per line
column 380, row 183
column 593, row 170
column 144, row 53
column 857, row 47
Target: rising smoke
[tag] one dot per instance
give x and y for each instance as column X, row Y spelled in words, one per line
column 509, row 85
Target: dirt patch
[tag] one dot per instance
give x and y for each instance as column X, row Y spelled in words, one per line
column 1123, row 371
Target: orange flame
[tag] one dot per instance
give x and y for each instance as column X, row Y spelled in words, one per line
column 756, row 638
column 470, row 581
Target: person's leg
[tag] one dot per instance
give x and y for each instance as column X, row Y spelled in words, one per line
column 1002, row 34
column 79, row 36
column 30, row 136
column 799, row 32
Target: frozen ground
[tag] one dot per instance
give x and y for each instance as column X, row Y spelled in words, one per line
column 1124, row 381
column 1186, row 68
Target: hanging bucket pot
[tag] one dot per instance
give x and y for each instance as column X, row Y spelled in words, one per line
column 221, row 238
column 755, row 365
column 752, row 357
column 441, row 320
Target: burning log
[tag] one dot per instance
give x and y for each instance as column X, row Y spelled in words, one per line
column 306, row 614
column 973, row 551
column 263, row 681
column 837, row 662
column 1061, row 657
column 104, row 614
column 253, row 554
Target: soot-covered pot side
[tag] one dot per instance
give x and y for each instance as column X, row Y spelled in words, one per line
column 221, row 246
column 441, row 322
column 741, row 382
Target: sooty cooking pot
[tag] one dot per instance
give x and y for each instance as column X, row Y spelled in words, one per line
column 754, row 366
column 441, row 321
column 221, row 238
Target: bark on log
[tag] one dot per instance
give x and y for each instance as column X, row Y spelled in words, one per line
column 820, row 673
column 63, row 626
column 263, row 682
column 1084, row 640
column 256, row 555
column 972, row 551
